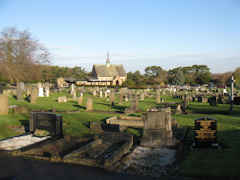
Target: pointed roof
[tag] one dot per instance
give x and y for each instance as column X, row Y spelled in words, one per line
column 102, row 70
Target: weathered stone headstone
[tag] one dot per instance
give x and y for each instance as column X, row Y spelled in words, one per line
column 3, row 104
column 133, row 107
column 89, row 104
column 142, row 96
column 19, row 93
column 158, row 98
column 157, row 130
column 178, row 109
column 112, row 99
column 46, row 121
column 121, row 99
column 100, row 94
column 33, row 98
column 62, row 99
column 1, row 89
column 21, row 110
column 22, row 86
column 106, row 94
column 205, row 133
column 47, row 89
column 80, row 101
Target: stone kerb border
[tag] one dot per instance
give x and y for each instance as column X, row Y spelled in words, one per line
column 127, row 121
column 75, row 156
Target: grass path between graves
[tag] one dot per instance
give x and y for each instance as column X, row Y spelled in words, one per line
column 202, row 164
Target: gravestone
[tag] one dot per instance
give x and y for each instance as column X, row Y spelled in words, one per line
column 121, row 98
column 3, row 104
column 112, row 99
column 157, row 128
column 158, row 98
column 101, row 94
column 62, row 99
column 220, row 99
column 213, row 101
column 142, row 96
column 205, row 134
column 89, row 104
column 178, row 109
column 47, row 89
column 46, row 121
column 33, row 98
column 106, row 94
column 19, row 93
column 133, row 107
column 237, row 100
column 20, row 110
column 22, row 86
column 40, row 92
column 1, row 89
column 80, row 101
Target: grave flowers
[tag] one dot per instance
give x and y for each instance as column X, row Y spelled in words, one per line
column 41, row 133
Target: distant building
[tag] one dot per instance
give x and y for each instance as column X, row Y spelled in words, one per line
column 106, row 74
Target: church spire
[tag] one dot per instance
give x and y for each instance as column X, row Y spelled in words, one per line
column 108, row 60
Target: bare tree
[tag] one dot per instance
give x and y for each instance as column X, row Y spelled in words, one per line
column 19, row 54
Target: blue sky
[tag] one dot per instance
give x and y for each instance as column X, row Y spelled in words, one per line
column 137, row 33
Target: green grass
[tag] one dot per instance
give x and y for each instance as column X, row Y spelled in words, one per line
column 202, row 164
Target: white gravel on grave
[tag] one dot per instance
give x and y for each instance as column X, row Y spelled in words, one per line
column 21, row 141
column 148, row 161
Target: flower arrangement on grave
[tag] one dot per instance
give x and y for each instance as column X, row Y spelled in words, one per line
column 41, row 133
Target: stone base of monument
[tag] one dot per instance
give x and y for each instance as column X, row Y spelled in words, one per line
column 103, row 152
column 158, row 138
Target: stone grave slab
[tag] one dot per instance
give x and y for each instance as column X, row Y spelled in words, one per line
column 103, row 152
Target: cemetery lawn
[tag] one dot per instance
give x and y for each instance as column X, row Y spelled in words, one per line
column 201, row 164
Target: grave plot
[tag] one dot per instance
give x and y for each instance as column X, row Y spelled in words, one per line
column 103, row 152
column 127, row 121
column 44, row 128
column 54, row 151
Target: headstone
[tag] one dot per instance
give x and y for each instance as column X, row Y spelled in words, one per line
column 46, row 121
column 3, row 104
column 89, row 104
column 1, row 89
column 158, row 98
column 33, row 98
column 213, row 101
column 19, row 93
column 100, row 94
column 112, row 99
column 205, row 133
column 22, row 86
column 80, row 101
column 121, row 99
column 47, row 89
column 178, row 109
column 62, row 99
column 142, row 96
column 20, row 110
column 40, row 92
column 133, row 107
column 157, row 129
column 237, row 100
column 94, row 93
column 106, row 94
